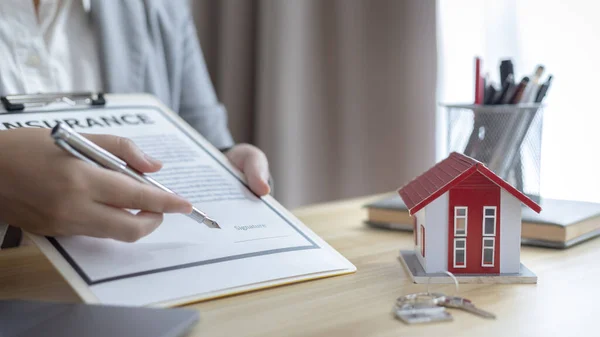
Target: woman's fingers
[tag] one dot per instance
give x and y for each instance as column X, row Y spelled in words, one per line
column 118, row 190
column 126, row 149
column 253, row 163
column 104, row 221
column 257, row 173
column 45, row 191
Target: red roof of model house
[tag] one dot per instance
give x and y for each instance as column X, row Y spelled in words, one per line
column 447, row 174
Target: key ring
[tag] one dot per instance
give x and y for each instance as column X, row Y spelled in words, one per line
column 453, row 279
column 419, row 303
column 427, row 297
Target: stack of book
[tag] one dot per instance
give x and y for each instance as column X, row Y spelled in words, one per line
column 561, row 224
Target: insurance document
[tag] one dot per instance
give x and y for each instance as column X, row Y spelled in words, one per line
column 259, row 243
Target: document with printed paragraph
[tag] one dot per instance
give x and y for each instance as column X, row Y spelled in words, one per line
column 260, row 243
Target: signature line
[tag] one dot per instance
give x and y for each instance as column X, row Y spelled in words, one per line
column 270, row 237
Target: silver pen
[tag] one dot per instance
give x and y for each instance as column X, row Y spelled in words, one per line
column 82, row 148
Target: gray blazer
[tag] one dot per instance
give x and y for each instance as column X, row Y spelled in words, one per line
column 151, row 46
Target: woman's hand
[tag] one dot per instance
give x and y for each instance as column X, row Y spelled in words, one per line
column 46, row 191
column 253, row 163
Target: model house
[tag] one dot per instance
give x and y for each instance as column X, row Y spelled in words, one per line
column 467, row 219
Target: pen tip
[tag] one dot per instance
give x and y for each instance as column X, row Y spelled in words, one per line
column 211, row 223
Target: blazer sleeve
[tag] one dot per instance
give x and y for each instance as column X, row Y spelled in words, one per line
column 199, row 106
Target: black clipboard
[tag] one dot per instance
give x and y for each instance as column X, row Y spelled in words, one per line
column 13, row 103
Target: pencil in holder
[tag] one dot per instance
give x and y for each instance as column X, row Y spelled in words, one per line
column 506, row 138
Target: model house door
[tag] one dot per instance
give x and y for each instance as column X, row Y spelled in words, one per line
column 473, row 227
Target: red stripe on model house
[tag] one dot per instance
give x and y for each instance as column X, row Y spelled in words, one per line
column 474, row 193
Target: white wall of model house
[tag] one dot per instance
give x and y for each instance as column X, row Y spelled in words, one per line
column 420, row 216
column 510, row 233
column 436, row 234
column 434, row 217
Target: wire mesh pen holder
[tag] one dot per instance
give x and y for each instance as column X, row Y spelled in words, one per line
column 506, row 138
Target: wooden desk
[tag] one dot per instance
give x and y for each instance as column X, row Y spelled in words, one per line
column 564, row 302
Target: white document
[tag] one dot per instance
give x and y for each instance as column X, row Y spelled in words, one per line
column 260, row 243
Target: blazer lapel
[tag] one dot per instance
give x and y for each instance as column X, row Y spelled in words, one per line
column 121, row 43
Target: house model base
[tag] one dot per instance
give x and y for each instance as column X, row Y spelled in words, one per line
column 413, row 267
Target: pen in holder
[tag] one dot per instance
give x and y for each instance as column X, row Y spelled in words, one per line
column 506, row 138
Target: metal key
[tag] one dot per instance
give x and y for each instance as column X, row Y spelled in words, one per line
column 421, row 308
column 427, row 297
column 466, row 305
column 418, row 317
column 414, row 313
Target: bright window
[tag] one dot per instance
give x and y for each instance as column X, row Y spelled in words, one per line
column 487, row 254
column 460, row 253
column 523, row 31
column 489, row 221
column 460, row 220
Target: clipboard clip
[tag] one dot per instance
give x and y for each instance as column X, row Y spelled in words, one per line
column 20, row 102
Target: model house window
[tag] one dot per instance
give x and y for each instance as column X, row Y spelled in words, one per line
column 460, row 221
column 489, row 221
column 487, row 256
column 422, row 241
column 460, row 253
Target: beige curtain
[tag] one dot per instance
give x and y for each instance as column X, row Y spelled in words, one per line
column 340, row 94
